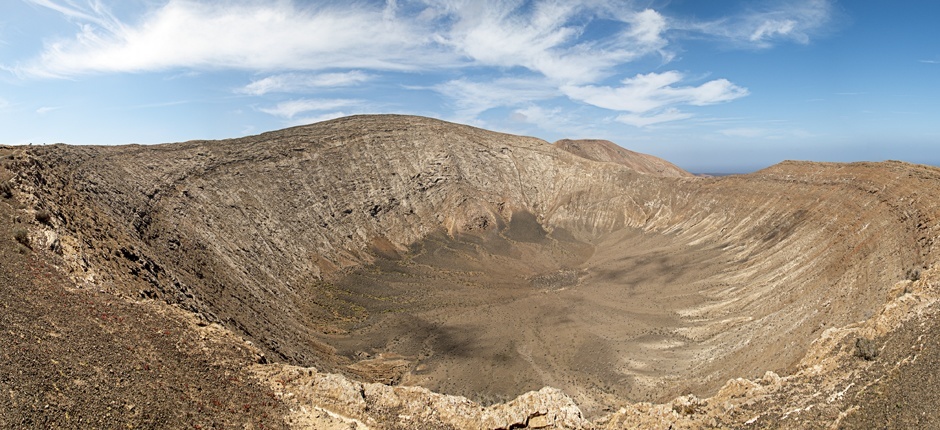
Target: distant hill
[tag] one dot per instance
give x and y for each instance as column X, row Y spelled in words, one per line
column 607, row 151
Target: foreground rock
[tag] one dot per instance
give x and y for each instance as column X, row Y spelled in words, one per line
column 365, row 405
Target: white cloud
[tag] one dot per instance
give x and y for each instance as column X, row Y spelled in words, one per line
column 46, row 109
column 93, row 11
column 529, row 51
column 547, row 119
column 289, row 109
column 771, row 28
column 472, row 98
column 644, row 93
column 547, row 39
column 784, row 21
column 556, row 120
column 246, row 34
column 302, row 82
column 638, row 120
column 648, row 27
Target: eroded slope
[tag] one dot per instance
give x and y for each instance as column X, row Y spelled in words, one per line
column 403, row 249
column 82, row 358
column 607, row 151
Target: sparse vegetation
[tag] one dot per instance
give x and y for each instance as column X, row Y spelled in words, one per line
column 43, row 217
column 912, row 274
column 866, row 349
column 6, row 190
column 21, row 235
column 490, row 398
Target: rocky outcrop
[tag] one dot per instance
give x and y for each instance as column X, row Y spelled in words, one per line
column 364, row 405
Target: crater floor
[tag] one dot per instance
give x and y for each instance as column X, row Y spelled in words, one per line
column 490, row 318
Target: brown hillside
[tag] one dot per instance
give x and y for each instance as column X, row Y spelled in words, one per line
column 393, row 252
column 609, row 152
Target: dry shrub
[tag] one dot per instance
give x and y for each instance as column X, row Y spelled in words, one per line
column 21, row 235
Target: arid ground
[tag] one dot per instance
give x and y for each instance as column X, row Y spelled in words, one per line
column 403, row 272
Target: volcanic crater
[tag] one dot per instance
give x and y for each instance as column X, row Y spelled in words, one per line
column 409, row 251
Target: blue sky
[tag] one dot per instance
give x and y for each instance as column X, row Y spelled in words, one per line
column 714, row 86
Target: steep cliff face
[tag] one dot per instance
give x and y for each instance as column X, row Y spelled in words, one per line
column 407, row 250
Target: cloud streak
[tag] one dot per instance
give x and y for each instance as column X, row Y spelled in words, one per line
column 249, row 35
column 471, row 98
column 300, row 83
column 519, row 53
column 652, row 98
column 641, row 120
column 290, row 109
column 795, row 21
column 93, row 11
column 545, row 37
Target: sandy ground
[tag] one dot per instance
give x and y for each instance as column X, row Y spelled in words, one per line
column 596, row 320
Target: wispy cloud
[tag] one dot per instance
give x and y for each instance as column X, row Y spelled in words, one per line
column 640, row 120
column 546, row 37
column 303, row 82
column 552, row 119
column 652, row 98
column 46, row 109
column 250, row 35
column 778, row 22
column 520, row 53
column 930, row 61
column 290, row 109
column 92, row 11
column 471, row 98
